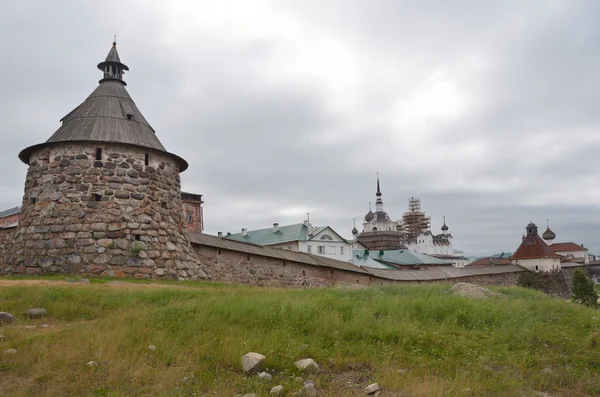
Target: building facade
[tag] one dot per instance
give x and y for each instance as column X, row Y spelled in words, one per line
column 534, row 254
column 299, row 237
column 102, row 194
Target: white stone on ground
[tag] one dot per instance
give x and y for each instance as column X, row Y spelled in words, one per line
column 547, row 371
column 265, row 376
column 92, row 364
column 307, row 365
column 10, row 352
column 308, row 391
column 252, row 362
column 36, row 312
column 277, row 390
column 152, row 348
column 372, row 388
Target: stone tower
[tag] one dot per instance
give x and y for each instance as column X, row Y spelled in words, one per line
column 102, row 195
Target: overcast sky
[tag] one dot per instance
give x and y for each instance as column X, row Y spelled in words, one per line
column 487, row 111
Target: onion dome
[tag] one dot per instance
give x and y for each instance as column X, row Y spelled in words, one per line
column 354, row 230
column 381, row 215
column 548, row 234
column 445, row 227
column 369, row 217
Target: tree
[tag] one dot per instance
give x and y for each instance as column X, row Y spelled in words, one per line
column 584, row 290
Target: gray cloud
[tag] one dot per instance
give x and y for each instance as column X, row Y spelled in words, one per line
column 484, row 111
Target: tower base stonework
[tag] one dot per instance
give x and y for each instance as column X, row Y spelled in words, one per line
column 119, row 216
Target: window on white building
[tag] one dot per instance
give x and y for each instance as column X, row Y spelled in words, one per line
column 342, row 250
column 326, row 237
column 321, row 249
column 332, row 250
column 309, row 248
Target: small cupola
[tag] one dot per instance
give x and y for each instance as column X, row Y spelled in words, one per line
column 112, row 67
column 532, row 229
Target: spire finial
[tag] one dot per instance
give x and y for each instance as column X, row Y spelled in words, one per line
column 547, row 223
column 354, row 222
column 369, row 206
column 115, row 40
column 378, row 189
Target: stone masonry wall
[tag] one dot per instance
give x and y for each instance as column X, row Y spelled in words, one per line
column 6, row 236
column 120, row 215
column 241, row 268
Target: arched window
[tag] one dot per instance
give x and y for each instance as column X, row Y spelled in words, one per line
column 374, row 229
column 326, row 237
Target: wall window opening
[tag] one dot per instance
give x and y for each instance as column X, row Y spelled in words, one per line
column 137, row 237
column 98, row 154
column 97, row 197
column 33, row 200
column 321, row 249
column 146, row 159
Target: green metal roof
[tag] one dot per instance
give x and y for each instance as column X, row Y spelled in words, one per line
column 297, row 232
column 386, row 259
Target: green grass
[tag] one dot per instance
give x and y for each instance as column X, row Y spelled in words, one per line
column 444, row 344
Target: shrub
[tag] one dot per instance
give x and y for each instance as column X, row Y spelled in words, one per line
column 584, row 290
column 529, row 280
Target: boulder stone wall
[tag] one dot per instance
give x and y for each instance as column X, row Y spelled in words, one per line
column 106, row 209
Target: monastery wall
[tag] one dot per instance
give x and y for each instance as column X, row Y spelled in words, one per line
column 239, row 267
column 119, row 214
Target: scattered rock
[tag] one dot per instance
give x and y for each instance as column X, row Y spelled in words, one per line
column 467, row 390
column 29, row 327
column 152, row 348
column 252, row 362
column 6, row 318
column 401, row 371
column 265, row 376
column 307, row 365
column 69, row 280
column 92, row 364
column 250, row 395
column 308, row 382
column 37, row 312
column 277, row 390
column 472, row 290
column 547, row 371
column 372, row 389
column 84, row 281
column 308, row 391
column 10, row 352
column 44, row 325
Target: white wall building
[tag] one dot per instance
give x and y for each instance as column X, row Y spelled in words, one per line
column 534, row 254
column 300, row 237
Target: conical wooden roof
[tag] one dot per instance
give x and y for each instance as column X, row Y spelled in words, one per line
column 107, row 115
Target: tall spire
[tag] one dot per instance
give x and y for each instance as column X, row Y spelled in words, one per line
column 112, row 66
column 379, row 201
column 354, row 230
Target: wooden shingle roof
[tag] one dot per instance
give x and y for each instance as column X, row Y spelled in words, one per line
column 107, row 115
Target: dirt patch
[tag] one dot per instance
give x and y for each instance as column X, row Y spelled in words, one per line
column 472, row 291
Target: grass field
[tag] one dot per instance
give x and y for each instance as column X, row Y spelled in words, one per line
column 412, row 340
